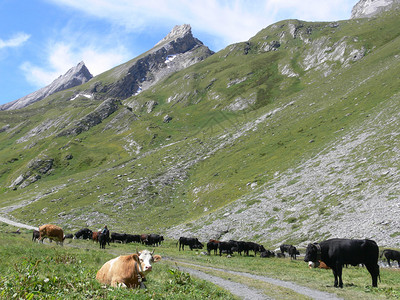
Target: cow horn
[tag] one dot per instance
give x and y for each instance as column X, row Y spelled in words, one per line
column 137, row 252
column 153, row 251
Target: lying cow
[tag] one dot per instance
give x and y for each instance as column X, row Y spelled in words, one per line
column 337, row 252
column 391, row 255
column 52, row 232
column 127, row 270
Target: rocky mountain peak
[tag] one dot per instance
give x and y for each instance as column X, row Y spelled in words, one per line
column 370, row 8
column 179, row 31
column 73, row 77
column 178, row 50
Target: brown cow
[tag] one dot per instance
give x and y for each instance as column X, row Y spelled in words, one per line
column 52, row 232
column 127, row 270
column 95, row 236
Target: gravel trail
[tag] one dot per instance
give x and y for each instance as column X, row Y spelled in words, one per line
column 234, row 286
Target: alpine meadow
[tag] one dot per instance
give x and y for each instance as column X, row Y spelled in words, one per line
column 292, row 136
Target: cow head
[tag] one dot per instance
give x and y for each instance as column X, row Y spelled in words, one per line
column 313, row 255
column 198, row 245
column 146, row 258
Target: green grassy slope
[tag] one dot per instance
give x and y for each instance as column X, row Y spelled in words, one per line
column 243, row 116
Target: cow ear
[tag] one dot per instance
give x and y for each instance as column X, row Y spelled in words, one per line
column 157, row 258
column 137, row 252
column 135, row 257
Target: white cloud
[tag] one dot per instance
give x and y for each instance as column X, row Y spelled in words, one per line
column 232, row 21
column 61, row 56
column 15, row 41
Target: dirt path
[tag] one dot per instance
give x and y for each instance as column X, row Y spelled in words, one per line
column 253, row 293
column 235, row 288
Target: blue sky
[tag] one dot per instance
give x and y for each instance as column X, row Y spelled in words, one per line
column 41, row 39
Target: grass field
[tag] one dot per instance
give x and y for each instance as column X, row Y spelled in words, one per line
column 47, row 271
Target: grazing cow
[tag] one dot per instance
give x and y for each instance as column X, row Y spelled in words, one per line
column 144, row 238
column 35, row 235
column 132, row 238
column 226, row 247
column 254, row 247
column 128, row 270
column 51, row 232
column 84, row 233
column 337, row 252
column 154, row 239
column 120, row 237
column 69, row 236
column 104, row 238
column 293, row 252
column 193, row 243
column 212, row 245
column 391, row 255
column 280, row 255
column 285, row 248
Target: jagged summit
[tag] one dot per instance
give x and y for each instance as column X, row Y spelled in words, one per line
column 73, row 77
column 179, row 31
column 370, row 8
column 178, row 50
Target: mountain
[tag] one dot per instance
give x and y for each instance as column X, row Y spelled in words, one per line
column 291, row 136
column 370, row 8
column 74, row 77
column 178, row 50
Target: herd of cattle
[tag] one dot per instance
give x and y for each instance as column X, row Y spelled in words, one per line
column 130, row 270
column 103, row 238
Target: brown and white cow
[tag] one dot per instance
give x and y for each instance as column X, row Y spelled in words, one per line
column 127, row 270
column 51, row 232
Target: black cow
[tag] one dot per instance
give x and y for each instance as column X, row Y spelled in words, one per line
column 391, row 255
column 132, row 238
column 337, row 252
column 69, row 236
column 226, row 247
column 118, row 237
column 212, row 245
column 285, row 248
column 35, row 235
column 293, row 252
column 267, row 253
column 193, row 243
column 84, row 233
column 154, row 239
column 104, row 238
column 254, row 247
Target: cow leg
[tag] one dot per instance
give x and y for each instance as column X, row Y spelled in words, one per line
column 374, row 271
column 335, row 284
column 388, row 260
column 339, row 273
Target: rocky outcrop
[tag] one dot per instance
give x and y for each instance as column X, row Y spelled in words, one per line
column 370, row 8
column 36, row 169
column 178, row 50
column 74, row 77
column 103, row 111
